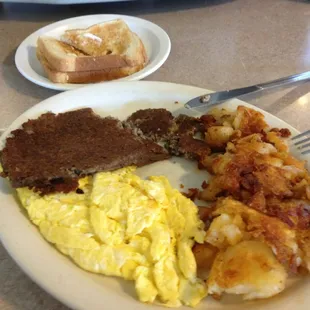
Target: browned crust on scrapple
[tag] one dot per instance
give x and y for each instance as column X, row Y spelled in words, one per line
column 153, row 123
column 54, row 149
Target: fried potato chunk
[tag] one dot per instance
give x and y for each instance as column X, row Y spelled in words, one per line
column 249, row 121
column 248, row 268
column 226, row 230
column 259, row 230
column 256, row 173
column 235, row 222
column 273, row 181
column 204, row 255
column 304, row 243
column 218, row 117
column 294, row 212
column 218, row 136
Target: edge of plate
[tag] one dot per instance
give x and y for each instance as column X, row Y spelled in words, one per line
column 48, row 102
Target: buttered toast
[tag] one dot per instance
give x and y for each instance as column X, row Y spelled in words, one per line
column 65, row 58
column 102, row 52
column 108, row 38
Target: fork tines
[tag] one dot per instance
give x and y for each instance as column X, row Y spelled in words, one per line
column 302, row 142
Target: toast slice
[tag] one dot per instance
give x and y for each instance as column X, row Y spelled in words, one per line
column 65, row 58
column 83, row 77
column 108, row 38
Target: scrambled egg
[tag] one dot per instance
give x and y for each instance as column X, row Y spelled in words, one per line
column 121, row 225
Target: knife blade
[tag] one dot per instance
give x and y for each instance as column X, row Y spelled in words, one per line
column 217, row 97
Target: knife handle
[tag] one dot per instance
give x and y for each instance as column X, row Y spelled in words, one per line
column 285, row 80
column 213, row 98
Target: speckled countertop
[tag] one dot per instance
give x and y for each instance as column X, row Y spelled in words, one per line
column 215, row 44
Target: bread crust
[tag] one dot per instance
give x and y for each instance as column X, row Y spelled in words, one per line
column 83, row 77
column 73, row 60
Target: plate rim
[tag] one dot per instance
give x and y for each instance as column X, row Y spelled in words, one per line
column 21, row 51
column 53, row 101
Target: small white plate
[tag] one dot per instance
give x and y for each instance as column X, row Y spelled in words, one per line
column 83, row 290
column 154, row 38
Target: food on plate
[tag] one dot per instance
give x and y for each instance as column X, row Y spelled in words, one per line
column 248, row 268
column 50, row 153
column 88, row 76
column 258, row 228
column 108, row 38
column 178, row 133
column 102, row 52
column 120, row 225
column 233, row 222
column 253, row 253
column 160, row 125
column 257, row 169
column 253, row 235
column 152, row 123
column 64, row 57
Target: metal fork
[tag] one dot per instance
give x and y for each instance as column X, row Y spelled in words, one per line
column 302, row 142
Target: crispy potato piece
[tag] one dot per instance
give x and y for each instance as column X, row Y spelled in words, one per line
column 204, row 255
column 207, row 162
column 249, row 121
column 273, row 181
column 249, row 269
column 218, row 136
column 208, row 120
column 308, row 192
column 289, row 160
column 269, row 160
column 211, row 192
column 294, row 212
column 276, row 140
column 216, row 163
column 226, row 230
column 270, row 230
column 257, row 201
column 218, row 185
column 205, row 213
column 304, row 243
column 220, row 116
column 254, row 143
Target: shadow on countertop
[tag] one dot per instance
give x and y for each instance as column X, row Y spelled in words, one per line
column 15, row 80
column 48, row 12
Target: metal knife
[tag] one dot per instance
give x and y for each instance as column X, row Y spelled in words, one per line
column 217, row 97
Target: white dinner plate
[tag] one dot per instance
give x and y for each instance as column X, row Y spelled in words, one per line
column 154, row 38
column 61, row 277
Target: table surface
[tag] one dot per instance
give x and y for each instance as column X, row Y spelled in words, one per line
column 215, row 44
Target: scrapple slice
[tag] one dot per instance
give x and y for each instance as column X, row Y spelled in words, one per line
column 50, row 153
